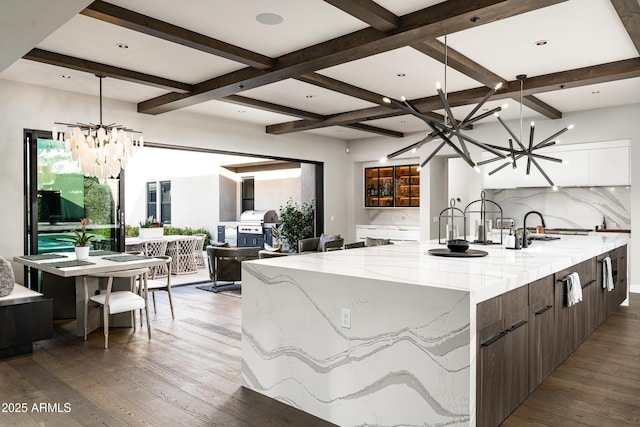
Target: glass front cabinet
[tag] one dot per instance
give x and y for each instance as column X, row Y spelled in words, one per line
column 392, row 186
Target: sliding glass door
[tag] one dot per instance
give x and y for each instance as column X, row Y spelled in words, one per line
column 58, row 196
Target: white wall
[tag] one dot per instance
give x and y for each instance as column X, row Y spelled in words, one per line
column 33, row 107
column 607, row 124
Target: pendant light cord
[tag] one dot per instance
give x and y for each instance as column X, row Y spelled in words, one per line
column 446, row 65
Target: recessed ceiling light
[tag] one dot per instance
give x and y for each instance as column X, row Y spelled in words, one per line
column 542, row 42
column 309, row 96
column 401, row 75
column 65, row 76
column 242, row 111
column 269, row 18
column 123, row 45
column 595, row 92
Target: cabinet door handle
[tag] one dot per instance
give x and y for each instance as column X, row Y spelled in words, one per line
column 589, row 283
column 494, row 339
column 516, row 325
column 543, row 309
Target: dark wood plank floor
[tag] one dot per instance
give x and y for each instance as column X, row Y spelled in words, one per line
column 189, row 375
column 598, row 385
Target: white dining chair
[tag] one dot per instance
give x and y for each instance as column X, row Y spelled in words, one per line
column 113, row 302
column 164, row 284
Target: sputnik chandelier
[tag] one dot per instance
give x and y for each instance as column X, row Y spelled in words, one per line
column 449, row 129
column 517, row 153
column 100, row 150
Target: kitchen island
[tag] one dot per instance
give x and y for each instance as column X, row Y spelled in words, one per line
column 388, row 335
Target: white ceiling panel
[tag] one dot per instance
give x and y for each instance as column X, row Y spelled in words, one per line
column 296, row 94
column 400, row 72
column 234, row 21
column 579, row 33
column 232, row 111
column 590, row 97
column 87, row 38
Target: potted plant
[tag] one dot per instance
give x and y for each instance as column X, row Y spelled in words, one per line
column 296, row 222
column 82, row 240
column 151, row 228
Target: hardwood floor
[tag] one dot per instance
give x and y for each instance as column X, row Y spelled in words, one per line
column 188, row 374
column 598, row 385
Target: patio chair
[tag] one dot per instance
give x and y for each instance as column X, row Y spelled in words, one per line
column 225, row 264
column 182, row 253
column 199, row 250
column 156, row 248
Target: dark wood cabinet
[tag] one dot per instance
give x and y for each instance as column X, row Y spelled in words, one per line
column 392, row 186
column 502, row 382
column 525, row 334
column 541, row 331
column 621, row 276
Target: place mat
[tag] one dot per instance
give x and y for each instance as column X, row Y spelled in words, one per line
column 468, row 254
column 72, row 263
column 102, row 252
column 42, row 256
column 125, row 258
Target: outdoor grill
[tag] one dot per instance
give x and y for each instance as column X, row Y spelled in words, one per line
column 254, row 228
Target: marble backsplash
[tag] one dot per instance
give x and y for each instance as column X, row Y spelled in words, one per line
column 579, row 207
column 393, row 216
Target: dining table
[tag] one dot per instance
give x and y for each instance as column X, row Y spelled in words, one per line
column 63, row 278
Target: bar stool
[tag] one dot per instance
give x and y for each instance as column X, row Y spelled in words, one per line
column 118, row 301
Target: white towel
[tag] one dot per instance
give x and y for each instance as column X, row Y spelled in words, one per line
column 607, row 275
column 574, row 289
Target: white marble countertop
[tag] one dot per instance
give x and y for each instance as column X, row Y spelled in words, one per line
column 390, row 226
column 484, row 277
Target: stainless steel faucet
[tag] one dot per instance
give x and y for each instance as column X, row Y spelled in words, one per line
column 525, row 243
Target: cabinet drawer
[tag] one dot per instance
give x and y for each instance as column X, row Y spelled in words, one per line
column 494, row 309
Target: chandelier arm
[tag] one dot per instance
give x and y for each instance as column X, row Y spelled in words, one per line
column 513, row 135
column 543, row 157
column 479, row 144
column 504, row 165
column 408, row 148
column 477, row 107
column 531, row 132
column 485, row 162
column 536, row 164
column 480, row 117
column 552, row 137
column 454, row 123
column 432, row 155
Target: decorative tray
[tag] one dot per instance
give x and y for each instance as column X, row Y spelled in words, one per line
column 470, row 253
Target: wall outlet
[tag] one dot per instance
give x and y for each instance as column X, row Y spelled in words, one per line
column 345, row 318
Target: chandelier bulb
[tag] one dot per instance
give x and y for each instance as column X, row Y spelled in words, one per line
column 476, row 168
column 383, row 159
column 533, row 124
column 386, row 100
column 498, row 86
column 438, row 87
column 570, row 127
column 403, row 98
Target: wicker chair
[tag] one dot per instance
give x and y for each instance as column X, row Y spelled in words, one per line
column 156, row 248
column 199, row 250
column 182, row 253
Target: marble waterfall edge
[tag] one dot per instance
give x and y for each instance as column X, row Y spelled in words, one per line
column 404, row 361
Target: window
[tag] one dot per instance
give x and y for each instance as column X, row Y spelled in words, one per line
column 165, row 202
column 159, row 203
column 247, row 194
column 152, row 199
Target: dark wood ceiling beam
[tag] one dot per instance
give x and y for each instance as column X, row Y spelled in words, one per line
column 369, row 12
column 436, row 49
column 271, row 107
column 376, row 130
column 618, row 70
column 87, row 66
column 131, row 20
column 340, row 87
column 629, row 13
column 442, row 18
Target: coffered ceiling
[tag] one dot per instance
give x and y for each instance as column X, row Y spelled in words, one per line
column 324, row 66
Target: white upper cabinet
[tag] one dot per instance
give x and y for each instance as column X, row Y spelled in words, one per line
column 584, row 165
